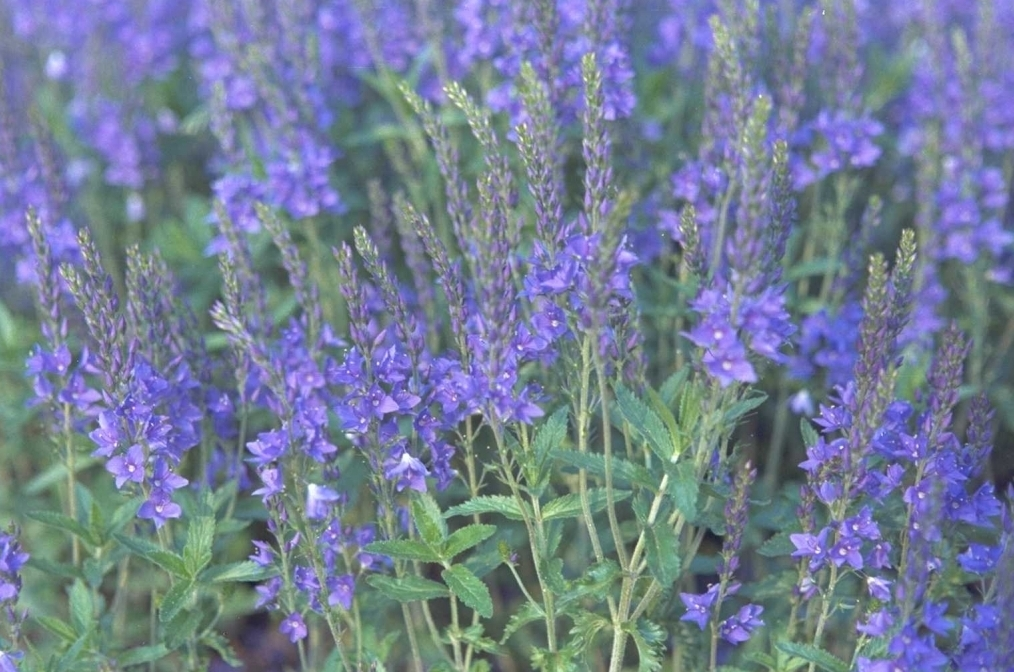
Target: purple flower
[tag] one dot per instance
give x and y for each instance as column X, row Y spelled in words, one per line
column 318, row 501
column 877, row 625
column 730, row 365
column 268, row 591
column 810, row 546
column 979, row 558
column 409, row 471
column 129, row 467
column 294, row 627
column 159, row 508
column 273, row 483
column 879, row 587
column 699, row 606
column 341, row 591
column 164, row 480
column 847, row 550
column 8, row 660
column 264, row 555
column 738, row 628
column 268, row 447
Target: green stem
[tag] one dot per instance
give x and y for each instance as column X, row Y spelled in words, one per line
column 825, row 610
column 75, row 548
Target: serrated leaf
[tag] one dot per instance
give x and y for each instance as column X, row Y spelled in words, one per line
column 595, row 583
column 176, row 598
column 97, row 525
column 82, row 611
column 404, row 549
column 812, row 654
column 200, row 537
column 466, row 538
column 690, row 406
column 182, row 627
column 408, row 588
column 673, row 385
column 777, row 546
column 61, row 569
column 810, row 436
column 142, row 654
column 569, row 506
column 660, row 408
column 57, row 627
column 64, row 522
column 624, row 472
column 762, row 658
column 528, row 613
column 167, row 560
column 428, row 520
column 662, row 553
column 551, row 434
column 475, row 636
column 744, row 406
column 468, row 588
column 645, row 422
column 684, row 489
column 505, row 506
column 649, row 638
column 245, row 570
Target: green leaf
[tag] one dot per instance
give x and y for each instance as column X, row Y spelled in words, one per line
column 82, row 611
column 222, row 647
column 663, row 554
column 596, row 583
column 777, row 546
column 505, row 506
column 66, row 523
column 123, row 514
column 407, row 588
column 200, row 537
column 468, row 588
column 426, row 516
column 167, row 560
column 645, row 422
column 142, row 654
column 744, row 406
column 810, row 436
column 684, row 489
column 569, row 506
column 673, row 385
column 659, row 406
column 649, row 638
column 404, row 549
column 57, row 627
column 624, row 472
column 176, row 598
column 762, row 658
column 96, row 525
column 815, row 655
column 182, row 628
column 56, row 475
column 243, row 571
column 466, row 538
column 551, row 434
column 475, row 636
column 528, row 613
column 62, row 569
